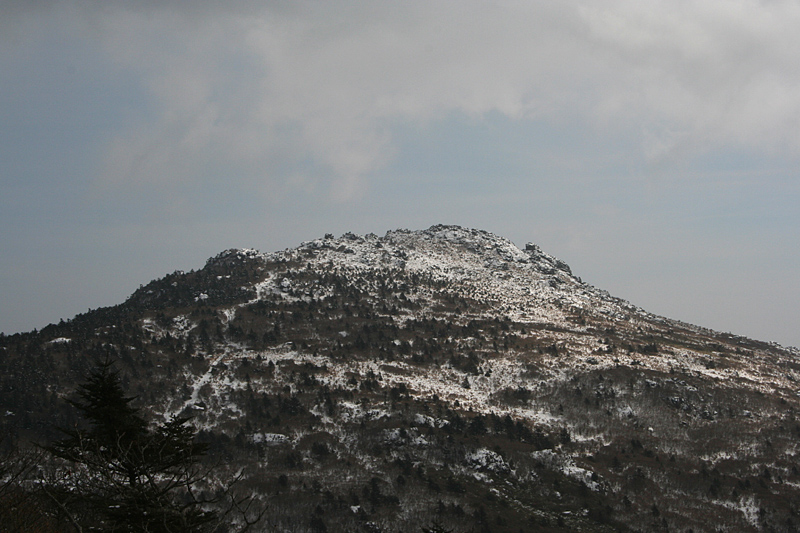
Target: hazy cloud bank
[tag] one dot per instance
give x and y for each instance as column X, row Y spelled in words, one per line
column 306, row 94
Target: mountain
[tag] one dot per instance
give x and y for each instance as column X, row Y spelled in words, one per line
column 437, row 380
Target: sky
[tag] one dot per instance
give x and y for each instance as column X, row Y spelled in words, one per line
column 652, row 145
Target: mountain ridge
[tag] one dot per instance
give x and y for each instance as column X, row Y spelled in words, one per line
column 439, row 376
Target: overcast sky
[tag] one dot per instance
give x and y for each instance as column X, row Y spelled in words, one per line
column 652, row 145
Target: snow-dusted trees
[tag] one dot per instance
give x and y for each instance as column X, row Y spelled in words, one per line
column 122, row 474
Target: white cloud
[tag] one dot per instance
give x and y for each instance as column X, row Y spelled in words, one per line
column 723, row 72
column 320, row 85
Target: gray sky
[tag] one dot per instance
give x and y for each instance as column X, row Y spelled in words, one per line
column 652, row 145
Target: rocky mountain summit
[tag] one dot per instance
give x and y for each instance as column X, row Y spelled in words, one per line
column 438, row 380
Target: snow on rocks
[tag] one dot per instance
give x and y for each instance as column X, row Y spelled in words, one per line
column 270, row 439
column 526, row 285
column 487, row 461
column 568, row 467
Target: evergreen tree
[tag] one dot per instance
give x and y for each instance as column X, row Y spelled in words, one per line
column 124, row 475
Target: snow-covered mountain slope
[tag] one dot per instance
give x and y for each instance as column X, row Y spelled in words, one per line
column 529, row 285
column 501, row 282
column 388, row 381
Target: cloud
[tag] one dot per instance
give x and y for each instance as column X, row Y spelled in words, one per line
column 310, row 92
